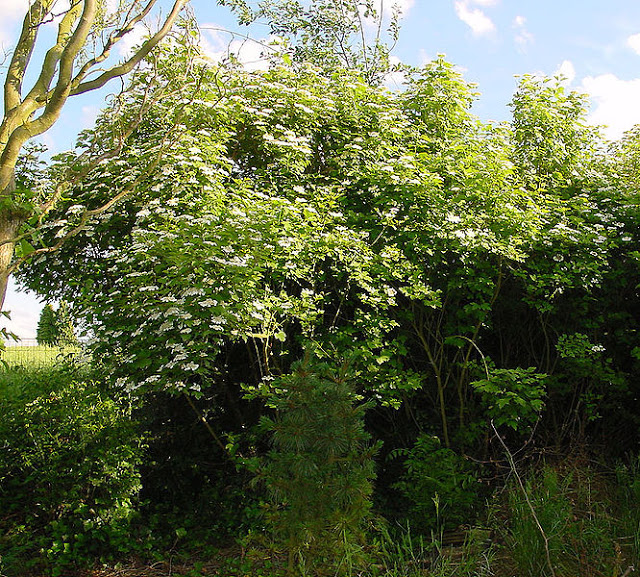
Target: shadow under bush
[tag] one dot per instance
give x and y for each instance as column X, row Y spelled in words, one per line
column 189, row 484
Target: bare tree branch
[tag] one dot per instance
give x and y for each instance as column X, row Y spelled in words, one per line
column 129, row 65
column 22, row 56
column 114, row 38
column 64, row 67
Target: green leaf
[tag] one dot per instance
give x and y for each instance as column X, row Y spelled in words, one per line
column 25, row 248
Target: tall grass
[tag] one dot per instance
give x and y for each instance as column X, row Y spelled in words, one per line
column 576, row 508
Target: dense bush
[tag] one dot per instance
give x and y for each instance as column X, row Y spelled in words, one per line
column 68, row 474
column 482, row 278
column 441, row 487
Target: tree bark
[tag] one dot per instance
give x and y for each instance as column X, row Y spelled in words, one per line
column 10, row 224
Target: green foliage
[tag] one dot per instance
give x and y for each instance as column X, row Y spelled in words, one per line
column 69, row 474
column 625, row 154
column 55, row 327
column 402, row 553
column 553, row 147
column 596, row 382
column 21, row 384
column 513, row 397
column 188, row 481
column 577, row 346
column 47, row 326
column 319, row 472
column 30, row 174
column 441, row 486
column 306, row 205
column 66, row 333
column 330, row 34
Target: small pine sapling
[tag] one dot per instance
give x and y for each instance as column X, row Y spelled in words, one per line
column 319, row 472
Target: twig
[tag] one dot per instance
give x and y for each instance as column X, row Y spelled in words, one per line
column 512, row 464
column 207, row 425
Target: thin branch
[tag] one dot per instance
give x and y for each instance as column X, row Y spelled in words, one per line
column 141, row 53
column 113, row 38
column 207, row 425
column 245, row 37
column 364, row 41
column 376, row 47
column 146, row 105
column 514, row 469
column 88, row 214
column 18, row 126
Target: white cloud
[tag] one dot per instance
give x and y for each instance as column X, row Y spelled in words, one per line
column 132, row 39
column 384, row 8
column 476, row 19
column 484, row 2
column 404, row 6
column 58, row 10
column 395, row 80
column 14, row 8
column 111, row 6
column 615, row 103
column 423, row 57
column 49, row 142
column 567, row 70
column 89, row 115
column 217, row 46
column 634, row 43
column 12, row 12
column 523, row 37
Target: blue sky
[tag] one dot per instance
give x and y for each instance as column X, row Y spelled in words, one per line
column 595, row 44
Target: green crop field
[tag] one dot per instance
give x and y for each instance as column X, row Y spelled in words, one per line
column 35, row 356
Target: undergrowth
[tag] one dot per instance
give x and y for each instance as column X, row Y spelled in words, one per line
column 75, row 461
column 69, row 475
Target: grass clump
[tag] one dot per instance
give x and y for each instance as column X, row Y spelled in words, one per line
column 578, row 527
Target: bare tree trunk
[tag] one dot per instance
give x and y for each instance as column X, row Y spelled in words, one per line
column 10, row 223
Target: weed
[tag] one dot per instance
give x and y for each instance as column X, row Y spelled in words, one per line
column 439, row 484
